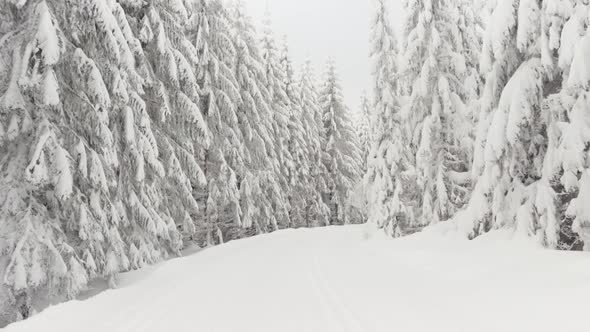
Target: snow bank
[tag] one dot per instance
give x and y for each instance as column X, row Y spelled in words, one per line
column 344, row 279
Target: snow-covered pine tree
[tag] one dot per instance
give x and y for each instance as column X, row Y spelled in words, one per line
column 388, row 164
column 432, row 72
column 565, row 29
column 259, row 187
column 223, row 159
column 301, row 128
column 37, row 185
column 363, row 129
column 469, row 34
column 62, row 151
column 280, row 106
column 341, row 151
column 515, row 151
column 136, row 175
column 173, row 104
column 317, row 211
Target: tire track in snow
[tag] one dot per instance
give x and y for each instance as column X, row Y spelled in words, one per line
column 349, row 321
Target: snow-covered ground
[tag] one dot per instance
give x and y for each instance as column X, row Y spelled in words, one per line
column 341, row 279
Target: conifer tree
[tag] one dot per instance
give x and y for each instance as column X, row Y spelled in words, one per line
column 223, row 159
column 317, row 211
column 363, row 129
column 148, row 234
column 341, row 153
column 433, row 72
column 514, row 157
column 34, row 157
column 76, row 152
column 301, row 127
column 280, row 107
column 469, row 34
column 173, row 106
column 260, row 191
column 388, row 165
column 565, row 30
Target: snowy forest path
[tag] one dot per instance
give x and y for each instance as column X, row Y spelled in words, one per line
column 340, row 279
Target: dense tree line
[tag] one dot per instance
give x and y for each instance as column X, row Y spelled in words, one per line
column 131, row 129
column 482, row 117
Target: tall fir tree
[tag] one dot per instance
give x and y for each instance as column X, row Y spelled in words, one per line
column 173, row 105
column 280, row 107
column 516, row 145
column 223, row 160
column 432, row 72
column 259, row 188
column 469, row 34
column 38, row 185
column 565, row 30
column 301, row 127
column 341, row 152
column 317, row 211
column 388, row 164
column 80, row 147
column 363, row 129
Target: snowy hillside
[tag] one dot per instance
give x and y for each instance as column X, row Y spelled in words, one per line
column 340, row 279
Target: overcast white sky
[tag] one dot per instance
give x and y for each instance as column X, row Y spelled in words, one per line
column 318, row 29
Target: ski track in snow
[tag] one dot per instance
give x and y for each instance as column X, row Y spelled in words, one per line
column 340, row 312
column 338, row 280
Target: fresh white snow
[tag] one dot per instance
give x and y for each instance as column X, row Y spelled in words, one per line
column 343, row 279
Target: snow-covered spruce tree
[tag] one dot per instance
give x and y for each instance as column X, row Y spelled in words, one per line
column 37, row 180
column 140, row 214
column 223, row 159
column 388, row 161
column 470, row 34
column 341, row 151
column 301, row 129
column 260, row 192
column 171, row 95
column 517, row 139
column 565, row 28
column 432, row 72
column 281, row 107
column 317, row 212
column 64, row 148
column 363, row 129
